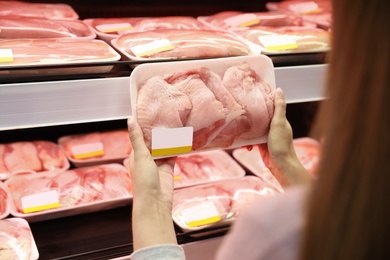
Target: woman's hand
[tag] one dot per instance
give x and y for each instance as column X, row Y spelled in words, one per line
column 278, row 154
column 152, row 193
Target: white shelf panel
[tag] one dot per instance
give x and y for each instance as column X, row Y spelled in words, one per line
column 35, row 104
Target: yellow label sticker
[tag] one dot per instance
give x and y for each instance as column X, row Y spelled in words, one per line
column 172, row 141
column 152, row 47
column 242, row 20
column 40, row 201
column 85, row 151
column 114, row 27
column 203, row 214
column 305, row 8
column 177, row 177
column 6, row 55
column 278, row 42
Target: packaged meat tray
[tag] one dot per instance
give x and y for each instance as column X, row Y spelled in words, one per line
column 44, row 10
column 307, row 149
column 33, row 156
column 192, row 106
column 317, row 11
column 180, row 44
column 236, row 19
column 17, row 240
column 96, row 147
column 203, row 167
column 15, row 27
column 108, row 29
column 218, row 203
column 37, row 197
column 287, row 39
column 30, row 53
column 4, row 201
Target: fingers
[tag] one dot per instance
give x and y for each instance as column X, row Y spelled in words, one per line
column 280, row 104
column 136, row 138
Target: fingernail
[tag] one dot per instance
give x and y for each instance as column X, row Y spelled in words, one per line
column 130, row 123
column 279, row 92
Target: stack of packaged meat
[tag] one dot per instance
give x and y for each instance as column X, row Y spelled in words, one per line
column 96, row 147
column 203, row 167
column 16, row 240
column 217, row 203
column 308, row 151
column 223, row 103
column 31, row 156
column 75, row 191
column 4, row 201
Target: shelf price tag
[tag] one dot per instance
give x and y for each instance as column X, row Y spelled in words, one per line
column 305, row 8
column 152, row 48
column 85, row 151
column 202, row 214
column 171, row 141
column 40, row 201
column 242, row 20
column 278, row 42
column 6, row 55
column 114, row 27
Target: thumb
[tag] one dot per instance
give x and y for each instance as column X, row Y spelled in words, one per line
column 280, row 104
column 136, row 138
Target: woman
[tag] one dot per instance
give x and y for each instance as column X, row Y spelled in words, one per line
column 344, row 214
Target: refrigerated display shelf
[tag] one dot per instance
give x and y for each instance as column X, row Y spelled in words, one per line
column 59, row 102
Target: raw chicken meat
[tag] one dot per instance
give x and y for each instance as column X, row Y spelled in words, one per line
column 13, row 27
column 229, row 197
column 75, row 187
column 308, row 151
column 45, row 10
column 233, row 19
column 220, row 111
column 16, row 240
column 36, row 156
column 186, row 44
column 3, row 201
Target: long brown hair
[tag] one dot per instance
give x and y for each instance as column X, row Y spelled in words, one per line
column 348, row 208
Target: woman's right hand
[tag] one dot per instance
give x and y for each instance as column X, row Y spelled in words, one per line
column 278, row 153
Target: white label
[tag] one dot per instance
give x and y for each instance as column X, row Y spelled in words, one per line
column 6, row 55
column 278, row 42
column 169, row 141
column 152, row 47
column 40, row 201
column 202, row 214
column 87, row 150
column 114, row 27
column 242, row 20
column 305, row 7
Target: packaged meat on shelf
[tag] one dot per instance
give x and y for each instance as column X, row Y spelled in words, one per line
column 33, row 156
column 217, row 203
column 14, row 27
column 4, row 201
column 17, row 240
column 43, row 196
column 108, row 29
column 191, row 106
column 164, row 44
column 203, row 167
column 96, row 147
column 30, row 53
column 237, row 19
column 45, row 10
column 315, row 11
column 308, row 151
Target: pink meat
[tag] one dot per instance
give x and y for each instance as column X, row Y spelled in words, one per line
column 43, row 10
column 3, row 167
column 161, row 104
column 31, row 27
column 308, row 151
column 3, row 201
column 21, row 156
column 50, row 155
column 16, row 239
column 75, row 187
column 116, row 143
column 254, row 95
column 187, row 43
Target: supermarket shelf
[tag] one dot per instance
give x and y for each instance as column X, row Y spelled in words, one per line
column 50, row 103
